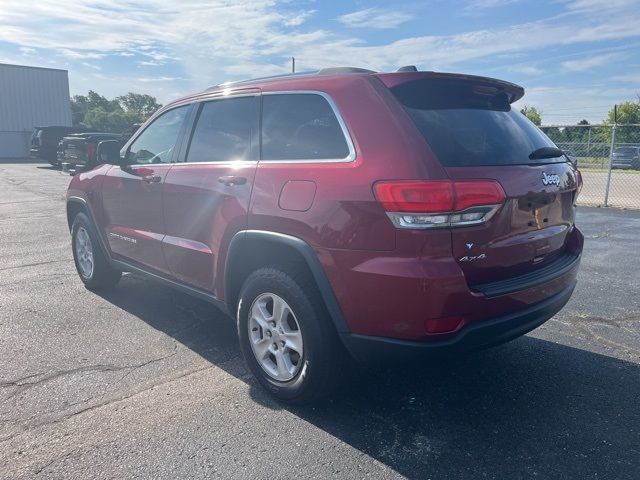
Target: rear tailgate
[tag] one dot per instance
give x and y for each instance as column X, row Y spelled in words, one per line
column 474, row 132
column 75, row 150
column 528, row 232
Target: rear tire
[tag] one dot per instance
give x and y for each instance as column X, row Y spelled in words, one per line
column 91, row 263
column 306, row 375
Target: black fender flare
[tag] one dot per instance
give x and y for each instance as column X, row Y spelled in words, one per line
column 87, row 210
column 309, row 256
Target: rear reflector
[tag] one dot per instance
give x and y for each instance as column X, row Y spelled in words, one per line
column 439, row 203
column 443, row 325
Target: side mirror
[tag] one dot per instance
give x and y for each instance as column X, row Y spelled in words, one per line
column 108, row 151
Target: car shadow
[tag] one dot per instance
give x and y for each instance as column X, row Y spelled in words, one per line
column 531, row 408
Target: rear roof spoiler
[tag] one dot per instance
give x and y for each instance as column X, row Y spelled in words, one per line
column 514, row 92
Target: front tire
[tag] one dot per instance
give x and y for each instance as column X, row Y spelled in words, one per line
column 286, row 337
column 91, row 263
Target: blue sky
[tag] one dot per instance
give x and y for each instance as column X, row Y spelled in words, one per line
column 575, row 58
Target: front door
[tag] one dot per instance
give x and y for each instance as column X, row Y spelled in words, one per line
column 132, row 193
column 206, row 197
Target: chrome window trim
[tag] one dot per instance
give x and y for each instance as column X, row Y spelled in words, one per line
column 221, row 95
column 345, row 131
column 231, row 163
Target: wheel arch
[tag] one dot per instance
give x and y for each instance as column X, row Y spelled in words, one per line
column 77, row 205
column 253, row 249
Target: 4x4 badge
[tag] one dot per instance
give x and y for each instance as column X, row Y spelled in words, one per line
column 468, row 258
column 552, row 179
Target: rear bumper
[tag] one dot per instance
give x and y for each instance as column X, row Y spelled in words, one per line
column 475, row 336
column 625, row 162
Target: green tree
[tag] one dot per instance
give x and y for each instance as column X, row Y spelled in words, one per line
column 532, row 114
column 99, row 113
column 554, row 134
column 628, row 112
column 140, row 103
column 81, row 104
column 114, row 122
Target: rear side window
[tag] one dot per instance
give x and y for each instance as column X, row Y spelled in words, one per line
column 467, row 125
column 301, row 126
column 225, row 131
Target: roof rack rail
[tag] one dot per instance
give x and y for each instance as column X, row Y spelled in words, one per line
column 407, row 68
column 323, row 71
column 340, row 70
column 259, row 79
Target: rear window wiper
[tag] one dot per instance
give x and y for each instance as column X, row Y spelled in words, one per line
column 545, row 152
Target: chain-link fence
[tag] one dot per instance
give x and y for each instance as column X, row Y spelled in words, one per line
column 608, row 157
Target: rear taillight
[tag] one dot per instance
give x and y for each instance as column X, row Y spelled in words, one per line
column 578, row 185
column 439, row 203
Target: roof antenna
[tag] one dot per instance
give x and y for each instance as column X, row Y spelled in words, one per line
column 407, row 68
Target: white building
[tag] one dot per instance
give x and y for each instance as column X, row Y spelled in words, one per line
column 29, row 97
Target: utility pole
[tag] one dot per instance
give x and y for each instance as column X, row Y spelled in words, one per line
column 293, row 64
column 613, row 143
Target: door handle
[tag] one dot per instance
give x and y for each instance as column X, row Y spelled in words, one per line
column 152, row 178
column 232, row 180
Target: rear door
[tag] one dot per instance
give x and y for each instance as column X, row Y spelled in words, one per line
column 132, row 193
column 206, row 197
column 477, row 135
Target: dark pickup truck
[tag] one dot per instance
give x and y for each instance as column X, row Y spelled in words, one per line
column 44, row 141
column 79, row 149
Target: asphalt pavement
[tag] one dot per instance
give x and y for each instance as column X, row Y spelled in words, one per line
column 145, row 382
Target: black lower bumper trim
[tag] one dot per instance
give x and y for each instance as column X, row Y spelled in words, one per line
column 561, row 265
column 476, row 336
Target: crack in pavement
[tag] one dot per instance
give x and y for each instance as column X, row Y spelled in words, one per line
column 582, row 324
column 109, row 401
column 47, row 262
column 21, row 384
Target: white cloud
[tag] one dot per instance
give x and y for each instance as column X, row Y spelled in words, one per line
column 589, row 63
column 485, row 4
column 91, row 65
column 600, row 5
column 158, row 79
column 569, row 105
column 526, row 69
column 374, row 18
column 80, row 54
column 210, row 42
column 151, row 63
column 633, row 78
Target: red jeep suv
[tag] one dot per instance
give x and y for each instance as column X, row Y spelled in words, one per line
column 340, row 213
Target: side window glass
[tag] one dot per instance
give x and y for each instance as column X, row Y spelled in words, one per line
column 225, row 130
column 156, row 143
column 300, row 127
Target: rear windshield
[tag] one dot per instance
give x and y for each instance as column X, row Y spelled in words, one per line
column 470, row 125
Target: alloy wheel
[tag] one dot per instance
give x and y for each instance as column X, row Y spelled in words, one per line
column 84, row 253
column 275, row 337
